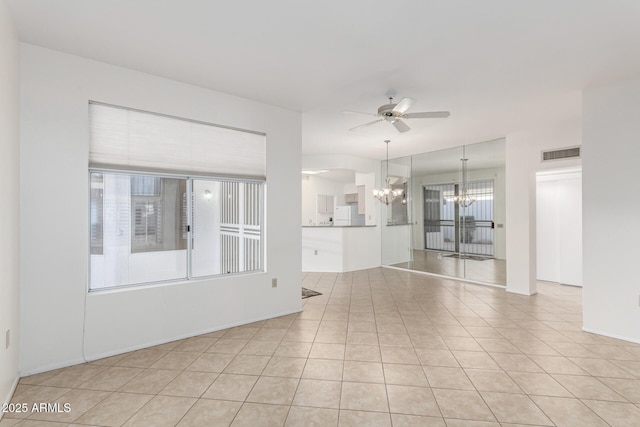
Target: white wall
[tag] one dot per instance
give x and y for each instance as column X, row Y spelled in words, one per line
column 322, row 249
column 547, row 232
column 559, row 227
column 55, row 90
column 9, row 207
column 523, row 154
column 611, row 131
column 357, row 242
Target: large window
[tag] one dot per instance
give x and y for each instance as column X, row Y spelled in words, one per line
column 172, row 199
column 141, row 228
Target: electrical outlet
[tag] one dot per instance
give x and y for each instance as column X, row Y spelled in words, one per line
column 315, row 252
column 7, row 338
column 274, row 282
column 439, row 256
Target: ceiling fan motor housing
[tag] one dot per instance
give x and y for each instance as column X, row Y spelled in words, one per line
column 386, row 112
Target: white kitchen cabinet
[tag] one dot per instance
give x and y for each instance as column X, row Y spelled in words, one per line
column 351, row 198
column 325, row 204
column 361, row 200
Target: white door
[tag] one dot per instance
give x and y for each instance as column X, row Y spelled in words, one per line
column 559, row 227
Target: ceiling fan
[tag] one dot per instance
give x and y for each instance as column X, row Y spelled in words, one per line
column 393, row 113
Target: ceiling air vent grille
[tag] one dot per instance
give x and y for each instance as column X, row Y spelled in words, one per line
column 563, row 153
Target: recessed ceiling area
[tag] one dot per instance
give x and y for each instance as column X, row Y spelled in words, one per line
column 499, row 66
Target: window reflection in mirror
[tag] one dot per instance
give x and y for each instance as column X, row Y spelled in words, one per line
column 457, row 225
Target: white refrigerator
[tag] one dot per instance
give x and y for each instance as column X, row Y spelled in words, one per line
column 342, row 215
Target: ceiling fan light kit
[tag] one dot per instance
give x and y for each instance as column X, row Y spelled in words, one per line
column 395, row 113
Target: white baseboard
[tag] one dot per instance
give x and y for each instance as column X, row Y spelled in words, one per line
column 51, row 367
column 606, row 334
column 92, row 357
column 12, row 390
column 520, row 293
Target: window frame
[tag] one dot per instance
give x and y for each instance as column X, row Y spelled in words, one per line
column 189, row 178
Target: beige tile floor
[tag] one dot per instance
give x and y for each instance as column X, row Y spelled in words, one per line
column 380, row 347
column 489, row 270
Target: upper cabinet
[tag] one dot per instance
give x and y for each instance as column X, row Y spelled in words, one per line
column 362, row 207
column 325, row 204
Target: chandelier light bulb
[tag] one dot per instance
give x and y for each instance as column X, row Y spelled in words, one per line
column 387, row 195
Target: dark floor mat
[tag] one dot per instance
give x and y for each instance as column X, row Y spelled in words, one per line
column 307, row 293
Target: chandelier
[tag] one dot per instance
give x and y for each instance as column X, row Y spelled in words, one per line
column 387, row 194
column 463, row 198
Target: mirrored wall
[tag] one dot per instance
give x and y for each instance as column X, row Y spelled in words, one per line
column 450, row 220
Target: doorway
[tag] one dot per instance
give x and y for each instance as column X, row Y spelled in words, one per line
column 559, row 226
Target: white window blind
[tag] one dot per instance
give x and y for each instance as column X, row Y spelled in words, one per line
column 133, row 139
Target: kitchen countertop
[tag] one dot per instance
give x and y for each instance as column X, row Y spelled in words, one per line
column 337, row 226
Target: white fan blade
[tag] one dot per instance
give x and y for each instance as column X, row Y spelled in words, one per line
column 367, row 124
column 403, row 105
column 401, row 126
column 357, row 112
column 427, row 115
